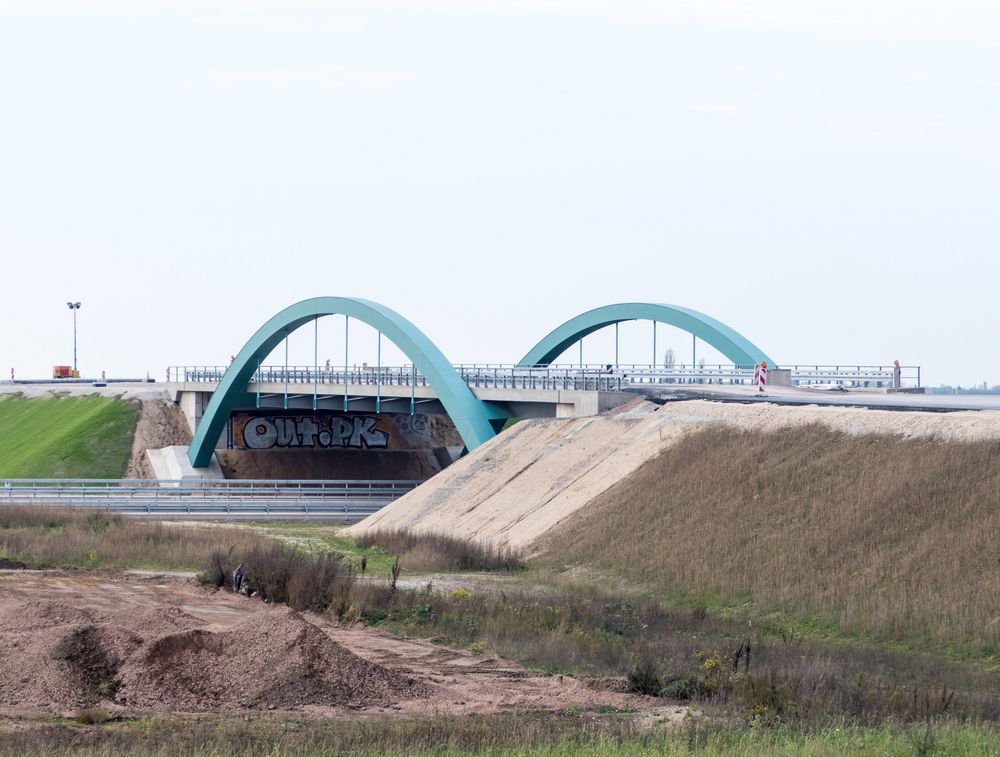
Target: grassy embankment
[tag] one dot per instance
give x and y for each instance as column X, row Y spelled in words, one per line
column 871, row 538
column 65, row 437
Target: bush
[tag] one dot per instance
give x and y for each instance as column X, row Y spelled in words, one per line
column 218, row 568
column 643, row 678
column 92, row 716
column 682, row 688
column 320, row 583
column 278, row 573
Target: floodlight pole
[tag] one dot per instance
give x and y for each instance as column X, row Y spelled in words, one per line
column 74, row 306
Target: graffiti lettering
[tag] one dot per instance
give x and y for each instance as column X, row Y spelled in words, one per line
column 356, row 432
column 308, row 429
column 286, row 432
column 260, row 433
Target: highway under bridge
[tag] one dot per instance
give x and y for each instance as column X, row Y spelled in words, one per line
column 246, row 500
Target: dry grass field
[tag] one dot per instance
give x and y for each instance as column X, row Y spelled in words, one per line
column 889, row 539
column 50, row 537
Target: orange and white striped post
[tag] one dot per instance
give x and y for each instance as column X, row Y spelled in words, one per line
column 762, row 383
column 756, row 374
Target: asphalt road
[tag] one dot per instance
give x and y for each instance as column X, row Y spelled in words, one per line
column 783, row 395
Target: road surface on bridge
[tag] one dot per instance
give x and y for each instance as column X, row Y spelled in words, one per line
column 782, row 395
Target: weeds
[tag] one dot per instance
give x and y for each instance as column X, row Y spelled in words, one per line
column 686, row 656
column 436, row 551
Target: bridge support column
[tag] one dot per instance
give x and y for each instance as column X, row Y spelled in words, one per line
column 193, row 404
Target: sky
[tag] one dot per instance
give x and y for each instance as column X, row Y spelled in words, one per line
column 820, row 176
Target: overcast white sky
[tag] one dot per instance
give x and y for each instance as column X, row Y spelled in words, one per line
column 822, row 177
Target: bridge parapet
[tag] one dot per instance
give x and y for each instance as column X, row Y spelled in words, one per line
column 593, row 377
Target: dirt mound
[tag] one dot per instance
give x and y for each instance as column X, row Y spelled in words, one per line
column 275, row 660
column 32, row 616
column 65, row 666
column 156, row 621
column 56, row 656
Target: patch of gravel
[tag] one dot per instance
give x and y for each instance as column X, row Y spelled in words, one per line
column 58, row 657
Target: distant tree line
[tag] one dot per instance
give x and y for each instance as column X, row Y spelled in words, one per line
column 977, row 389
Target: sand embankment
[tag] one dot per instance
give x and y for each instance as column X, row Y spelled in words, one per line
column 536, row 474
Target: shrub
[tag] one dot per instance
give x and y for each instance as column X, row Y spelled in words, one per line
column 319, row 583
column 643, row 678
column 278, row 573
column 92, row 716
column 683, row 688
column 218, row 568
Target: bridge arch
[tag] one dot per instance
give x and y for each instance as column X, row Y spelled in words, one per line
column 470, row 415
column 730, row 343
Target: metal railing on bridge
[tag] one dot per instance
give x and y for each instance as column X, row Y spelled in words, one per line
column 593, row 377
column 246, row 499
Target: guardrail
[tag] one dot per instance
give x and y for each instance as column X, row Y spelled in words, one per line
column 593, row 377
column 232, row 499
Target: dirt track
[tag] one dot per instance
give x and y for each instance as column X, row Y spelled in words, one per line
column 443, row 680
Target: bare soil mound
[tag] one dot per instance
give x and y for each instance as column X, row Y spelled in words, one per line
column 154, row 621
column 277, row 660
column 56, row 656
column 39, row 615
column 64, row 666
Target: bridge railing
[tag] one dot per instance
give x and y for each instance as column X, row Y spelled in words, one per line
column 279, row 374
column 599, row 377
column 877, row 376
column 48, row 490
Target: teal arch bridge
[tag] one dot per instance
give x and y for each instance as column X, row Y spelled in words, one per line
column 479, row 399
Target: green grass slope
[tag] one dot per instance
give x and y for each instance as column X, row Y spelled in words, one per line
column 65, row 437
column 881, row 538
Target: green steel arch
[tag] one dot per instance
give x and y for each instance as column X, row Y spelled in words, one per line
column 470, row 416
column 733, row 345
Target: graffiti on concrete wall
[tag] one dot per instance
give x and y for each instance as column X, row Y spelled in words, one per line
column 330, row 431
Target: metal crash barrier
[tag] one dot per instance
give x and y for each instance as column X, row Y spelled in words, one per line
column 256, row 499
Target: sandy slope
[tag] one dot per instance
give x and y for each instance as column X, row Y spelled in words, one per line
column 528, row 479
